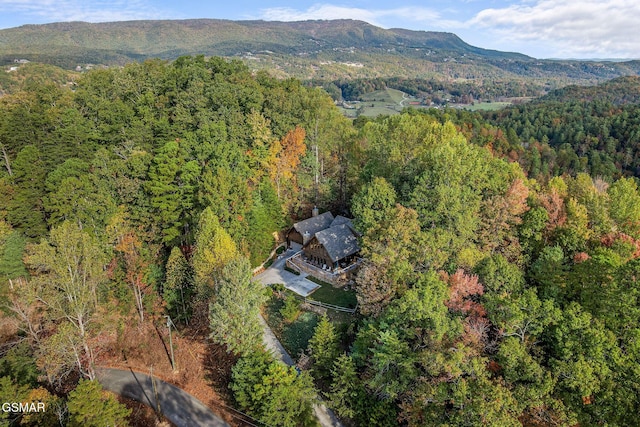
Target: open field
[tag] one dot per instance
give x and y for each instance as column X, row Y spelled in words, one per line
column 485, row 106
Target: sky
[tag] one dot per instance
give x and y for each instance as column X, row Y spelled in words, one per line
column 580, row 29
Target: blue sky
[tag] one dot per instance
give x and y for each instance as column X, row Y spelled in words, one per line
column 539, row 28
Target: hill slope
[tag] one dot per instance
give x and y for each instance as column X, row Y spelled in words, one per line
column 308, row 49
column 223, row 37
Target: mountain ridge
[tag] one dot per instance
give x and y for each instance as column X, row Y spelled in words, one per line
column 315, row 49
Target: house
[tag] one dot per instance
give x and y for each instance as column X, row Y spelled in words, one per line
column 327, row 242
column 302, row 232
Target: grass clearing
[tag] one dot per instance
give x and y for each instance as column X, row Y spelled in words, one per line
column 486, row 106
column 335, row 296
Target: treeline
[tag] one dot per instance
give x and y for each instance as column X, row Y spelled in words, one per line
column 438, row 91
column 591, row 130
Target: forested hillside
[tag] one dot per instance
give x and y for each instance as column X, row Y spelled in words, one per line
column 495, row 289
column 571, row 130
column 315, row 49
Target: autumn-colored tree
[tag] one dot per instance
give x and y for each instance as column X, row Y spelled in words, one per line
column 130, row 247
column 214, row 249
column 554, row 205
column 69, row 268
column 500, row 215
column 462, row 289
column 285, row 158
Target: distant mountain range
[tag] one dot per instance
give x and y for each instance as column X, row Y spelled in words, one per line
column 309, row 49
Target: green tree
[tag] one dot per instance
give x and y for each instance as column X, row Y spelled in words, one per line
column 11, row 252
column 26, row 208
column 394, row 250
column 90, row 406
column 522, row 315
column 372, row 204
column 166, row 194
column 272, row 392
column 324, row 346
column 235, row 310
column 346, row 387
column 10, row 391
column 265, row 218
column 585, row 358
column 624, row 206
column 178, row 286
column 74, row 194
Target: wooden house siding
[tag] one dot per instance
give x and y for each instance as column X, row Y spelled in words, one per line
column 294, row 236
column 317, row 254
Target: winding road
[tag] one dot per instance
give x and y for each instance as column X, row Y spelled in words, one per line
column 178, row 406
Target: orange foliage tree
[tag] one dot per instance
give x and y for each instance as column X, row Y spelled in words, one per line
column 285, row 158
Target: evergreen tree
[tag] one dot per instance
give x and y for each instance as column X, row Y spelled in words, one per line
column 264, row 220
column 11, row 252
column 178, row 286
column 90, row 406
column 26, row 209
column 324, row 347
column 165, row 193
column 233, row 314
column 274, row 393
column 346, row 387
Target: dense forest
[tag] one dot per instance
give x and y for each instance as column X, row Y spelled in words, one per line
column 499, row 282
column 436, row 90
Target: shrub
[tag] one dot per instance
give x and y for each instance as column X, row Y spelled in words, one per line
column 291, row 309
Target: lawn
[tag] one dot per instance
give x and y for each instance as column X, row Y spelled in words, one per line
column 330, row 295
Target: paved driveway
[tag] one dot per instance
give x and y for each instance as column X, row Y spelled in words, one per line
column 182, row 409
column 277, row 274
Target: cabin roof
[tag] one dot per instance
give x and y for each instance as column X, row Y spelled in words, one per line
column 311, row 226
column 339, row 241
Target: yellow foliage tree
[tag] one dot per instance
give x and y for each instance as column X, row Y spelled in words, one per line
column 284, row 156
column 214, row 249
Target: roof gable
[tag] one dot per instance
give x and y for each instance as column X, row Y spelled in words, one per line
column 339, row 241
column 311, row 226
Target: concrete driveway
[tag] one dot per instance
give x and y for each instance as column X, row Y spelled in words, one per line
column 277, row 274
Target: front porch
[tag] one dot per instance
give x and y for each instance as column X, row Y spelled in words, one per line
column 338, row 276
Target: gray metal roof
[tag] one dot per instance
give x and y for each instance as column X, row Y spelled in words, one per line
column 311, row 226
column 339, row 241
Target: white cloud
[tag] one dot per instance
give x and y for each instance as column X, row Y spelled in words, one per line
column 379, row 17
column 569, row 28
column 79, row 10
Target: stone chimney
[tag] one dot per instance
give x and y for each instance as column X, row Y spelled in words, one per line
column 314, row 211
